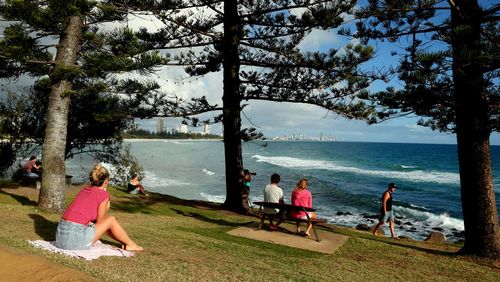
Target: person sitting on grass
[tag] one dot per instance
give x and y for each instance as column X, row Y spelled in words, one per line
column 302, row 197
column 87, row 219
column 135, row 187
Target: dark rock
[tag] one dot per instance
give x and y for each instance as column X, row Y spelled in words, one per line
column 347, row 213
column 453, row 229
column 408, row 223
column 370, row 221
column 398, row 222
column 363, row 227
column 413, row 229
column 375, row 216
column 340, row 213
column 436, row 237
column 438, row 229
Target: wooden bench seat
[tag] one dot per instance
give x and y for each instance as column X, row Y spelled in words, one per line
column 285, row 212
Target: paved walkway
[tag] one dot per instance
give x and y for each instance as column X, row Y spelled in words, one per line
column 330, row 241
column 16, row 265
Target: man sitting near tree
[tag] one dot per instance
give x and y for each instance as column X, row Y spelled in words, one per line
column 274, row 194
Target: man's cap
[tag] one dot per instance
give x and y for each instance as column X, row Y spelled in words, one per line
column 246, row 171
column 392, row 185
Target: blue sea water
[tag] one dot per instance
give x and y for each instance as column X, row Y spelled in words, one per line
column 343, row 176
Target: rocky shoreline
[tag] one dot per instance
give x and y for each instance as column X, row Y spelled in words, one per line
column 403, row 226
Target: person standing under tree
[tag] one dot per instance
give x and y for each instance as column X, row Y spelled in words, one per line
column 245, row 191
column 386, row 211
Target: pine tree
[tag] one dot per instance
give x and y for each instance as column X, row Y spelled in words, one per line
column 62, row 44
column 256, row 43
column 450, row 74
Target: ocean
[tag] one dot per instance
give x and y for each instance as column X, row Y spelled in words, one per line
column 346, row 179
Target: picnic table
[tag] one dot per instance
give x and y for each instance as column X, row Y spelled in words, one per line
column 286, row 209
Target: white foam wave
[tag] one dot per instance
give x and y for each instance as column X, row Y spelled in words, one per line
column 178, row 142
column 153, row 180
column 408, row 166
column 415, row 176
column 440, row 220
column 207, row 172
column 213, row 198
column 420, row 207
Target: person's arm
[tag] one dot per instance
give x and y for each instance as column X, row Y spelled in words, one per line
column 102, row 210
column 282, row 200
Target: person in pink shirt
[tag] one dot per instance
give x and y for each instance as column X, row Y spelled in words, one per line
column 87, row 219
column 302, row 197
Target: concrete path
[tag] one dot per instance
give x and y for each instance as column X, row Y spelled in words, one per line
column 330, row 241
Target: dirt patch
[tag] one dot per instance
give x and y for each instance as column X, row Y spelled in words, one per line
column 19, row 266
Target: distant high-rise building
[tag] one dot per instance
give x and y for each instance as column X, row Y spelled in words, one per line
column 206, row 129
column 159, row 125
column 183, row 128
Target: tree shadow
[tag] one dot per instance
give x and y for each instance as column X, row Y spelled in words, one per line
column 43, row 227
column 23, row 200
column 209, row 220
column 141, row 204
column 401, row 243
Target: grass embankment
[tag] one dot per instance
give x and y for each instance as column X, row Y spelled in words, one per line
column 186, row 240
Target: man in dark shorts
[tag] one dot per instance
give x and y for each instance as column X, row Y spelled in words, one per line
column 386, row 212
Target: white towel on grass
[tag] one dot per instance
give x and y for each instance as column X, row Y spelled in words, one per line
column 97, row 250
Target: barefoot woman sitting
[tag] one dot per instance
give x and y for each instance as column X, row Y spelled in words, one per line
column 87, row 219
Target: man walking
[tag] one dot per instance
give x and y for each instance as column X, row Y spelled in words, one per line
column 386, row 212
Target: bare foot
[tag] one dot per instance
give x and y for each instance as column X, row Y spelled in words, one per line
column 395, row 238
column 307, row 234
column 133, row 247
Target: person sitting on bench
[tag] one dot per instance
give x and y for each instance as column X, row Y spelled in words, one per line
column 302, row 197
column 30, row 167
column 274, row 194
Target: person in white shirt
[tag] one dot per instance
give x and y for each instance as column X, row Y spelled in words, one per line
column 274, row 194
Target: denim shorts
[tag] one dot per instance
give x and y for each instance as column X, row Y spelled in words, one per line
column 74, row 236
column 135, row 191
column 388, row 216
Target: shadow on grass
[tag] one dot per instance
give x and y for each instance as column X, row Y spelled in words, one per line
column 23, row 200
column 401, row 243
column 141, row 204
column 209, row 220
column 43, row 227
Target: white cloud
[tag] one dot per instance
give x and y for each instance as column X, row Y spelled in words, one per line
column 319, row 40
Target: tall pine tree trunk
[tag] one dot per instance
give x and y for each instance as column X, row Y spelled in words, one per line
column 54, row 146
column 232, row 108
column 482, row 233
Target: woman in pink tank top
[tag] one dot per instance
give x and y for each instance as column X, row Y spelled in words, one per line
column 87, row 219
column 302, row 197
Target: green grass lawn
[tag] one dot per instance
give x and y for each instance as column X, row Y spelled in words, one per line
column 187, row 241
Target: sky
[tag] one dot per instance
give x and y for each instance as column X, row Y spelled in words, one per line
column 278, row 119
